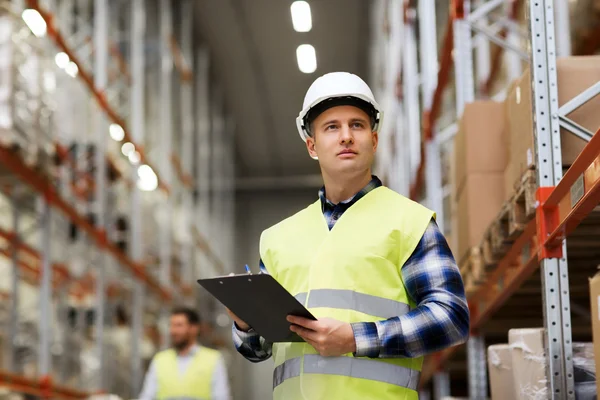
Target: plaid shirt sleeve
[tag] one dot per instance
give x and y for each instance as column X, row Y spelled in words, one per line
column 441, row 317
column 250, row 344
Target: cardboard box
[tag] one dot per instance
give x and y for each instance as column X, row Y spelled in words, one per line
column 512, row 176
column 528, row 363
column 479, row 143
column 595, row 303
column 574, row 75
column 478, row 203
column 501, row 372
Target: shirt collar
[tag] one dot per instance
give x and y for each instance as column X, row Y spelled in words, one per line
column 374, row 183
column 193, row 350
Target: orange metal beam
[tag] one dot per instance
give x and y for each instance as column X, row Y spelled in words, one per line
column 185, row 178
column 88, row 80
column 586, row 169
column 39, row 184
column 180, row 62
column 43, row 387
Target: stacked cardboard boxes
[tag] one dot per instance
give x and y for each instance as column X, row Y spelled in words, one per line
column 494, row 147
column 480, row 160
column 574, row 75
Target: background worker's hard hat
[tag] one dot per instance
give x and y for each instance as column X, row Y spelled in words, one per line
column 336, row 85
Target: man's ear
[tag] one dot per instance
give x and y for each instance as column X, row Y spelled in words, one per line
column 375, row 140
column 310, row 146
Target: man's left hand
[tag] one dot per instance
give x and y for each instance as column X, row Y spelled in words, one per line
column 328, row 336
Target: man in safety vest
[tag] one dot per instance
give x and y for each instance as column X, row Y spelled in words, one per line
column 370, row 264
column 187, row 371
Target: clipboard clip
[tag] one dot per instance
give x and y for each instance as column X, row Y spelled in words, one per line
column 263, row 270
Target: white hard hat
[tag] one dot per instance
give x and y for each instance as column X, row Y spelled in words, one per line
column 337, row 85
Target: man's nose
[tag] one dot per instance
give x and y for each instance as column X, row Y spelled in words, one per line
column 346, row 135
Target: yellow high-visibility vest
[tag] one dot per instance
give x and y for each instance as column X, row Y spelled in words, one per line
column 195, row 384
column 351, row 273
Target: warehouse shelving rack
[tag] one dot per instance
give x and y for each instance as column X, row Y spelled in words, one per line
column 110, row 48
column 563, row 202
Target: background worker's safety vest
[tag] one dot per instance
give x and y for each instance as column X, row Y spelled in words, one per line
column 194, row 384
column 351, row 273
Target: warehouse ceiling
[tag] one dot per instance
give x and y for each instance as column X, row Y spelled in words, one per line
column 253, row 57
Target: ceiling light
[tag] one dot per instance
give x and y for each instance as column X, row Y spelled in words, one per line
column 301, row 18
column 62, row 60
column 35, row 22
column 148, row 181
column 127, row 148
column 72, row 69
column 134, row 157
column 307, row 58
column 116, row 132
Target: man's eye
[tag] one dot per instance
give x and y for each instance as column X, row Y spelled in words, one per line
column 357, row 125
column 330, row 127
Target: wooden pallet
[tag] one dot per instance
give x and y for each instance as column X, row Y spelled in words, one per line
column 522, row 205
column 472, row 269
column 40, row 159
column 498, row 232
column 490, row 259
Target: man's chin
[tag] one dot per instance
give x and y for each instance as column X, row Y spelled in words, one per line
column 179, row 346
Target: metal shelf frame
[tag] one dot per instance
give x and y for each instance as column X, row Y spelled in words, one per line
column 563, row 201
column 108, row 43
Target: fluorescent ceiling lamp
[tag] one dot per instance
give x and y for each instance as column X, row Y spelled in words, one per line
column 301, row 18
column 134, row 157
column 35, row 22
column 307, row 58
column 148, row 180
column 116, row 132
column 127, row 148
column 72, row 69
column 62, row 60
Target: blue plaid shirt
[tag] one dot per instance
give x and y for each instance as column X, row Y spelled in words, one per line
column 432, row 280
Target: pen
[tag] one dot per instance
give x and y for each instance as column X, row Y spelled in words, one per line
column 248, row 269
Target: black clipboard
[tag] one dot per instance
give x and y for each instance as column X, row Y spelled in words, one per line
column 261, row 302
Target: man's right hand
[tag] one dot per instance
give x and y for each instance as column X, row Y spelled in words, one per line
column 241, row 325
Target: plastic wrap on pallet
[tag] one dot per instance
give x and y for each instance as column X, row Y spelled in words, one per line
column 584, row 369
column 530, row 364
column 500, row 372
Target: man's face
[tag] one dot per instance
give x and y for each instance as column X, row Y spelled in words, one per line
column 343, row 140
column 181, row 331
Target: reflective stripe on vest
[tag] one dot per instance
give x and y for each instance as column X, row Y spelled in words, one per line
column 351, row 300
column 184, row 398
column 347, row 366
